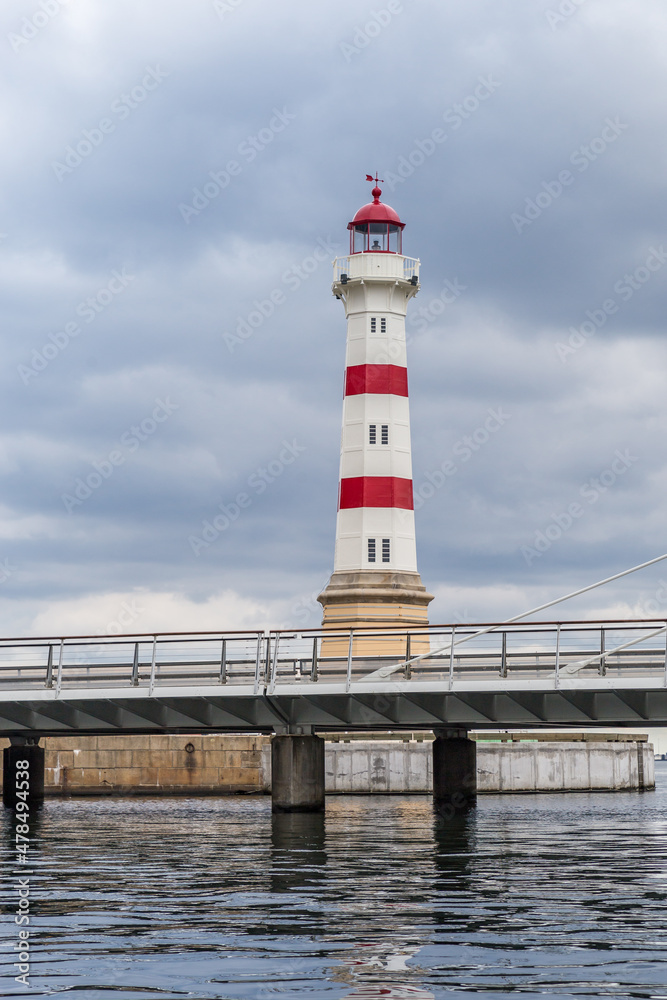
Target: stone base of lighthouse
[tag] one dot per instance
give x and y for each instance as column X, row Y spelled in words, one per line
column 389, row 610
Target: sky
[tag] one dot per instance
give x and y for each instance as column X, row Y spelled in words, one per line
column 175, row 182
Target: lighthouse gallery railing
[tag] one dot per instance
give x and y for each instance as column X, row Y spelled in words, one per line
column 379, row 265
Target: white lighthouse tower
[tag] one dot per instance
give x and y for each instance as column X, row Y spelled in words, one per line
column 375, row 580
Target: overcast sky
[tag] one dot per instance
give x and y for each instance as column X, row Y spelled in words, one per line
column 176, row 179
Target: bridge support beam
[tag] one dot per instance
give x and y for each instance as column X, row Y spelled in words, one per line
column 297, row 774
column 454, row 771
column 23, row 755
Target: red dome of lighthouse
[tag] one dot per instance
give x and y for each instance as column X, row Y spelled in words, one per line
column 376, row 228
column 375, row 211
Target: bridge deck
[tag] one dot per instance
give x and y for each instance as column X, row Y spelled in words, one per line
column 574, row 673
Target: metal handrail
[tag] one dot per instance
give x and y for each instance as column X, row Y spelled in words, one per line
column 560, row 650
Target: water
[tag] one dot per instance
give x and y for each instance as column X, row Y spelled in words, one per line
column 156, row 899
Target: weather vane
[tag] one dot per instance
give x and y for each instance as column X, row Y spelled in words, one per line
column 376, row 179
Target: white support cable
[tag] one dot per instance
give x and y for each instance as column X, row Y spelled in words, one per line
column 383, row 672
column 576, row 665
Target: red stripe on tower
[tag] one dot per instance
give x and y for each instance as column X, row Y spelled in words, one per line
column 375, row 491
column 376, row 379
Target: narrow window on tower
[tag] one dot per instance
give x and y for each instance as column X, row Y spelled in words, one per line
column 384, row 433
column 373, row 324
column 371, row 550
column 372, row 433
column 383, row 325
column 386, row 550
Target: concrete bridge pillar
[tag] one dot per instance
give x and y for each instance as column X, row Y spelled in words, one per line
column 24, row 755
column 454, row 771
column 297, row 774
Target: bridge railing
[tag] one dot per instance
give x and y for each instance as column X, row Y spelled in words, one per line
column 259, row 662
column 456, row 653
column 172, row 659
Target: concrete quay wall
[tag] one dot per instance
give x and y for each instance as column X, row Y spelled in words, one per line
column 153, row 765
column 227, row 765
column 391, row 767
column 564, row 767
column 373, row 767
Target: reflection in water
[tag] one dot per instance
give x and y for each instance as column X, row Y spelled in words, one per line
column 559, row 896
column 453, row 845
column 298, row 855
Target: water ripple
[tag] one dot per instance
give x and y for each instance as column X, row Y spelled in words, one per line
column 560, row 896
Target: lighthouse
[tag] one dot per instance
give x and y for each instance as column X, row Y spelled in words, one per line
column 375, row 581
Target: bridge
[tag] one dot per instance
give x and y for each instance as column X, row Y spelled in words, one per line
column 549, row 673
column 449, row 678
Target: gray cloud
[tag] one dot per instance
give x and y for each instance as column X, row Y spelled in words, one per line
column 304, row 99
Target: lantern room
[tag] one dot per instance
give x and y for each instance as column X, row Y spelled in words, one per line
column 376, row 228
